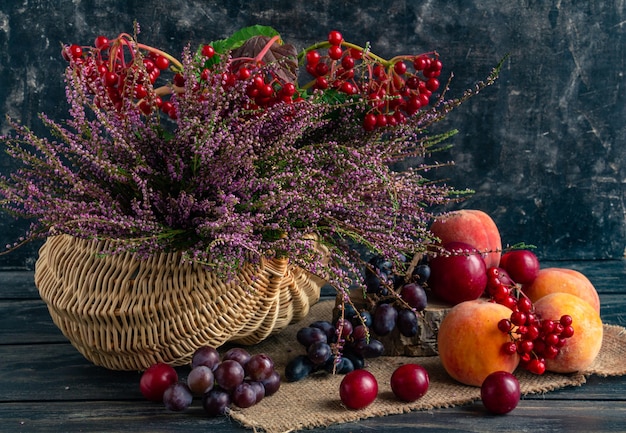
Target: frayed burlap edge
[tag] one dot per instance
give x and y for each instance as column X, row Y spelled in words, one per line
column 314, row 401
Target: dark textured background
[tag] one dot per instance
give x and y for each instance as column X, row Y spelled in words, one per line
column 545, row 148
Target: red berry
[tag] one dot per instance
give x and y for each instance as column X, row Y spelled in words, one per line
column 432, row 84
column 335, row 52
column 347, row 62
column 504, row 325
column 75, row 51
column 421, row 63
column 101, row 42
column 288, row 89
column 381, row 120
column 410, row 382
column 335, row 38
column 110, row 79
column 509, row 348
column 313, row 57
column 321, row 83
column 140, row 91
column 356, row 53
column 399, row 68
column 321, row 69
column 179, row 80
column 161, row 62
column 348, row 88
column 208, row 51
column 358, row 389
column 536, row 366
column 369, row 123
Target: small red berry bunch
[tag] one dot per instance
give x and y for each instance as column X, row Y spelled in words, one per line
column 392, row 89
column 535, row 339
column 387, row 91
column 265, row 86
column 126, row 70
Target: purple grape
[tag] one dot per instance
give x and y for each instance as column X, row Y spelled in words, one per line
column 307, row 336
column 344, row 366
column 177, row 397
column 319, row 353
column 365, row 318
column 229, row 374
column 414, row 295
column 422, row 272
column 244, row 395
column 345, row 326
column 200, row 380
column 259, row 389
column 205, row 355
column 216, row 402
column 298, row 368
column 407, row 323
column 272, row 383
column 371, row 349
column 385, row 317
column 237, row 354
column 359, row 333
column 327, row 327
column 259, row 367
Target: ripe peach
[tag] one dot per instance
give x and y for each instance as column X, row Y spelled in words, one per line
column 581, row 349
column 472, row 227
column 551, row 280
column 470, row 343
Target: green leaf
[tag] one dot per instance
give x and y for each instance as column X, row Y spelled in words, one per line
column 238, row 38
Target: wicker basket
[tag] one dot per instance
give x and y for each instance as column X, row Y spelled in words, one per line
column 124, row 313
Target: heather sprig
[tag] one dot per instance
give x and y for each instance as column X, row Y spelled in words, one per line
column 228, row 165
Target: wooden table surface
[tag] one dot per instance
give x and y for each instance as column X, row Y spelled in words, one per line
column 47, row 386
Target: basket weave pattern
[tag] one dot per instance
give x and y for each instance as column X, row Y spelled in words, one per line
column 125, row 313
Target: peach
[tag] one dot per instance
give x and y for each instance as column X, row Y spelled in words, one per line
column 551, row 280
column 581, row 349
column 470, row 343
column 472, row 227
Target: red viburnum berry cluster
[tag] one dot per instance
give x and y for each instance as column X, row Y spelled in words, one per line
column 534, row 338
column 116, row 66
column 392, row 89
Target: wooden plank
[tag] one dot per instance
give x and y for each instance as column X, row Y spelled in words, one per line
column 18, row 285
column 27, row 321
column 48, row 372
column 120, row 416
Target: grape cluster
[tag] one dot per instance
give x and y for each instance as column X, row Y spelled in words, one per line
column 340, row 348
column 392, row 89
column 396, row 300
column 535, row 339
column 343, row 344
column 237, row 378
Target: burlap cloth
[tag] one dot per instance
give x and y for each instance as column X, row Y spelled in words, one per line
column 314, row 401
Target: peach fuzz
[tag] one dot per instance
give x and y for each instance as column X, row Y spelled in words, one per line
column 472, row 227
column 552, row 280
column 581, row 349
column 470, row 343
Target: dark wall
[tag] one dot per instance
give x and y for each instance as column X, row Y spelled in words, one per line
column 545, row 148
